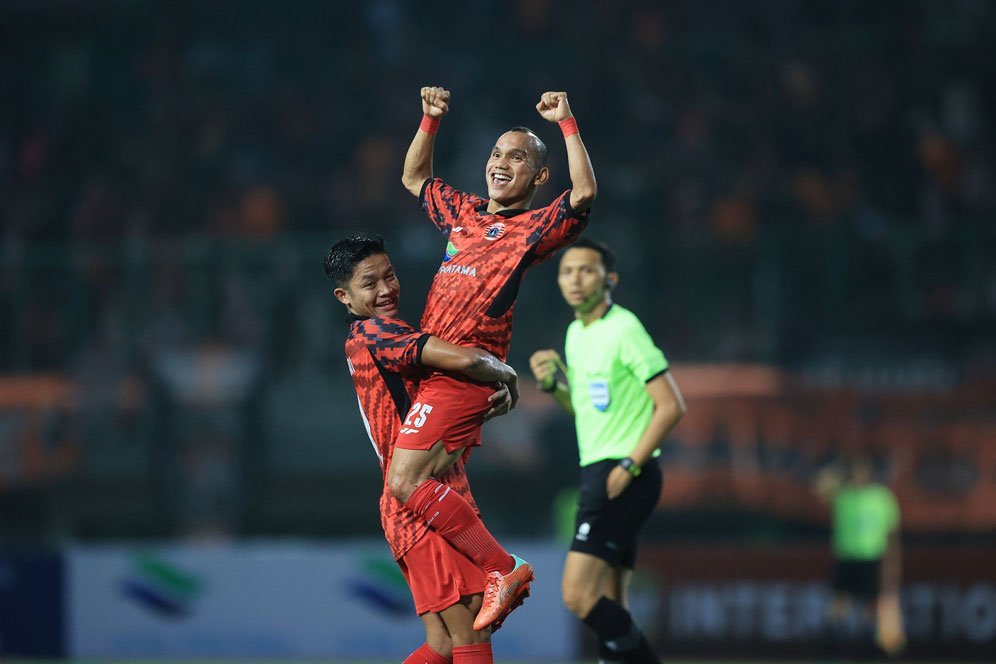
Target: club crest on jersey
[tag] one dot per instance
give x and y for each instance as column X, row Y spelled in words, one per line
column 494, row 231
column 450, row 252
column 598, row 390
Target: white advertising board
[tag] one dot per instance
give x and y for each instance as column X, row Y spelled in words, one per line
column 345, row 600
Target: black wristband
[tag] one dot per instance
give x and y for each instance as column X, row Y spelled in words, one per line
column 630, row 467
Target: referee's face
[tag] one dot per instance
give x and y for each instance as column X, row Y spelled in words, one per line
column 582, row 278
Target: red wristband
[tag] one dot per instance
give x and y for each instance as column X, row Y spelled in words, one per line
column 429, row 124
column 569, row 126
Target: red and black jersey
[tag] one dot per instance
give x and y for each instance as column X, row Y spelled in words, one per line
column 471, row 299
column 384, row 356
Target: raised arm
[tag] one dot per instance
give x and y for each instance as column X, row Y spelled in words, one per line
column 553, row 106
column 828, row 481
column 418, row 159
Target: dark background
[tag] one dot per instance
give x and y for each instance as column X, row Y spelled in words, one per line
column 805, row 186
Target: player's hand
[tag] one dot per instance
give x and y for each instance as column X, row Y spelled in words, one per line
column 435, row 102
column 619, row 478
column 544, row 365
column 501, row 402
column 513, row 390
column 553, row 106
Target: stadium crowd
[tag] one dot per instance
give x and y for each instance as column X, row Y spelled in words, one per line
column 810, row 185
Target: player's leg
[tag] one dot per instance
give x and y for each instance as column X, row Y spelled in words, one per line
column 881, row 612
column 839, row 607
column 616, row 585
column 411, row 467
column 836, row 624
column 438, row 646
column 449, row 415
column 411, row 479
column 620, row 639
column 454, row 519
column 441, row 577
column 849, row 609
column 584, row 577
column 840, row 604
column 890, row 635
column 470, row 646
column 459, row 621
column 616, row 588
column 605, row 541
column 452, row 586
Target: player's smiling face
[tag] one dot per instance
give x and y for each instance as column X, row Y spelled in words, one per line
column 582, row 278
column 373, row 290
column 511, row 173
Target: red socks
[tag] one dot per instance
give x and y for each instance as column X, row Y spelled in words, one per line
column 455, row 520
column 426, row 655
column 478, row 653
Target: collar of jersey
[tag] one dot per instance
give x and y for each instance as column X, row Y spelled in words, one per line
column 352, row 318
column 511, row 212
column 604, row 315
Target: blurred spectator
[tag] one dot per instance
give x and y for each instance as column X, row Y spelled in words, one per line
column 788, row 183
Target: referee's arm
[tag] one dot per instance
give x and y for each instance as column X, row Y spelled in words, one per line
column 544, row 365
column 562, row 395
column 669, row 406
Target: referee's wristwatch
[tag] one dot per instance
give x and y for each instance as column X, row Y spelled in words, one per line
column 630, row 467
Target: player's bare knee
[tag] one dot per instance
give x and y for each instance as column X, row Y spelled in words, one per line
column 441, row 643
column 579, row 600
column 466, row 635
column 401, row 486
column 436, row 635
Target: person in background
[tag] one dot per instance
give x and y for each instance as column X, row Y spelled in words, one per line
column 866, row 548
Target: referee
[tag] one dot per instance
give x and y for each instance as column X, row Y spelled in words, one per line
column 867, row 548
column 624, row 402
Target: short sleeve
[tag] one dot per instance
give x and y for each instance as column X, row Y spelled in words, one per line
column 639, row 354
column 442, row 204
column 556, row 226
column 394, row 344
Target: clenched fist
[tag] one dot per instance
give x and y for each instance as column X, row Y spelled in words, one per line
column 553, row 106
column 544, row 365
column 435, row 102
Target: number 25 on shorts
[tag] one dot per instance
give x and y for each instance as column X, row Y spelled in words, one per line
column 416, row 417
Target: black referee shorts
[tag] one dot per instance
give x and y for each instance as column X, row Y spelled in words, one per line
column 608, row 528
column 861, row 579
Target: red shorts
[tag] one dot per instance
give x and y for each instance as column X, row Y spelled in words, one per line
column 447, row 408
column 439, row 575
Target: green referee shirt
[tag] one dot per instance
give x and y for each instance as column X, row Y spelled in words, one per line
column 863, row 517
column 609, row 363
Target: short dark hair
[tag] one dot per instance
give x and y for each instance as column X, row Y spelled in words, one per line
column 542, row 153
column 347, row 252
column 604, row 250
